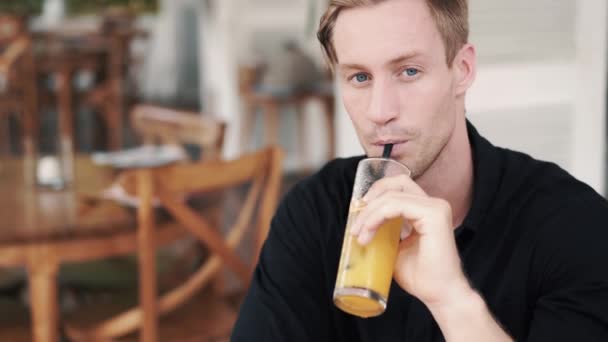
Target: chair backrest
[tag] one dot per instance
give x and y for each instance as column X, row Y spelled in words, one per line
column 248, row 77
column 159, row 125
column 166, row 186
column 14, row 42
column 18, row 77
column 11, row 28
column 169, row 185
column 116, row 18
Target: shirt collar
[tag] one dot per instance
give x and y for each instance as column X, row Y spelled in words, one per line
column 487, row 168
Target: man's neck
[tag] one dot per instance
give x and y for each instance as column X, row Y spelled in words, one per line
column 451, row 175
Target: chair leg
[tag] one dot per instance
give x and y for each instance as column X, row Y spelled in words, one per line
column 271, row 123
column 218, row 283
column 31, row 129
column 247, row 125
column 114, row 110
column 330, row 123
column 147, row 259
column 66, row 120
column 302, row 145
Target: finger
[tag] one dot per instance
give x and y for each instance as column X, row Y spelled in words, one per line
column 356, row 228
column 401, row 183
column 372, row 217
column 409, row 241
column 412, row 208
column 406, row 230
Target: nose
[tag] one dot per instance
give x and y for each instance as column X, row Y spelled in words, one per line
column 384, row 103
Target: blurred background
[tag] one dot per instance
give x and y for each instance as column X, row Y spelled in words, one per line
column 92, row 89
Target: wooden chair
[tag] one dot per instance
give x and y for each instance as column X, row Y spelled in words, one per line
column 155, row 125
column 110, row 96
column 18, row 81
column 179, row 129
column 168, row 185
column 270, row 107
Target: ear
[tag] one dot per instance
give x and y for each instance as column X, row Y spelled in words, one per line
column 465, row 68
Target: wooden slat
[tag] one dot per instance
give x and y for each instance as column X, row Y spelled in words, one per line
column 12, row 54
column 211, row 175
column 204, row 176
column 200, row 228
column 147, row 256
column 170, row 126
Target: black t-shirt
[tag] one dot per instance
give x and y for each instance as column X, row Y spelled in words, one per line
column 534, row 244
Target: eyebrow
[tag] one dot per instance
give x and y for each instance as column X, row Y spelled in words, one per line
column 395, row 61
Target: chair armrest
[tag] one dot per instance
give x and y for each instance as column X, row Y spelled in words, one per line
column 12, row 53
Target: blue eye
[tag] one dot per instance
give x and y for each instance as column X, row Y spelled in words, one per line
column 411, row 71
column 361, row 78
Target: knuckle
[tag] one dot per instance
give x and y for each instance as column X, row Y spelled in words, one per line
column 403, row 178
column 400, row 177
column 444, row 206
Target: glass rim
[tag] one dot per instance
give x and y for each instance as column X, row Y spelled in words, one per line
column 382, row 159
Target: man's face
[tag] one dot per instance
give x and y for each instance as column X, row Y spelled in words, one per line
column 396, row 84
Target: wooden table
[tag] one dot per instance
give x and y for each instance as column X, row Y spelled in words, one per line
column 62, row 53
column 40, row 229
column 270, row 109
column 61, row 56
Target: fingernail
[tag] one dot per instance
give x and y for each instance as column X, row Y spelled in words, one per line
column 406, row 230
column 364, row 238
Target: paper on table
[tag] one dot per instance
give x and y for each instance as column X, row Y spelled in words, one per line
column 143, row 156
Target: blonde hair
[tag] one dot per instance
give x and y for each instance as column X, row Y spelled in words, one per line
column 450, row 16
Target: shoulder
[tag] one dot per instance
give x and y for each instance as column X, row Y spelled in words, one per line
column 544, row 189
column 566, row 219
column 311, row 202
column 332, row 182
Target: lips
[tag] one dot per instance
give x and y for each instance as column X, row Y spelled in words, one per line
column 399, row 147
column 388, row 141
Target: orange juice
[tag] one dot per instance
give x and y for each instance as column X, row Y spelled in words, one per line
column 365, row 272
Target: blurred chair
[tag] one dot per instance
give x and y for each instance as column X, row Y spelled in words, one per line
column 114, row 93
column 160, row 125
column 17, row 81
column 270, row 104
column 167, row 187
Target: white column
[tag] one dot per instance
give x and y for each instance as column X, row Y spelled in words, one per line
column 53, row 12
column 219, row 68
column 588, row 150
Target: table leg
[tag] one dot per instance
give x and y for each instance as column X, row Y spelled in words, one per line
column 66, row 131
column 44, row 302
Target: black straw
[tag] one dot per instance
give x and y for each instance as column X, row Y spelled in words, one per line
column 388, row 148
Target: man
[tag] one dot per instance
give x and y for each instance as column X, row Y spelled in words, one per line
column 499, row 247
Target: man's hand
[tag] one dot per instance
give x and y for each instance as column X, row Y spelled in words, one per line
column 428, row 264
